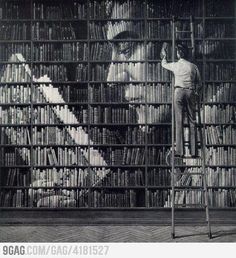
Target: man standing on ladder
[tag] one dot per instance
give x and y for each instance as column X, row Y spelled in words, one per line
column 187, row 84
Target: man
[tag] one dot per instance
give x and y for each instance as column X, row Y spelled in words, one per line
column 187, row 82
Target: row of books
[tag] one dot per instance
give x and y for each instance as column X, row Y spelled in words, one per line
column 15, row 94
column 219, row 114
column 15, row 135
column 55, row 72
column 110, row 30
column 221, row 156
column 58, row 72
column 218, row 49
column 221, row 177
column 158, row 198
column 155, row 72
column 122, row 198
column 7, row 50
column 78, row 177
column 220, row 134
column 112, row 115
column 57, row 31
column 15, row 115
column 216, row 29
column 99, row 51
column 216, row 198
column 214, row 8
column 14, row 73
column 220, row 71
column 117, row 177
column 215, row 156
column 59, row 135
column 163, row 30
column 166, row 9
column 15, row 177
column 17, row 198
column 159, row 92
column 69, row 135
column 98, row 114
column 77, row 93
column 64, row 177
column 18, row 31
column 81, row 73
column 69, row 93
column 47, row 115
column 44, row 156
column 158, row 177
column 63, row 52
column 70, row 10
column 15, row 10
column 125, row 198
column 132, row 135
column 220, row 92
column 151, row 113
column 123, row 9
column 66, row 156
column 16, row 156
column 122, row 156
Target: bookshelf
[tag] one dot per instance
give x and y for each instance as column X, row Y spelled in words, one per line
column 85, row 107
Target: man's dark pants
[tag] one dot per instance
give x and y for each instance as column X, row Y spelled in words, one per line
column 185, row 99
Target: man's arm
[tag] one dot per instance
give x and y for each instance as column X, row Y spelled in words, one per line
column 166, row 65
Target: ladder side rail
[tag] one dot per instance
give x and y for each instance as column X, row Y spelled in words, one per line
column 173, row 137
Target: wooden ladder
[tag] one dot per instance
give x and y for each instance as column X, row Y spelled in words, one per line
column 176, row 34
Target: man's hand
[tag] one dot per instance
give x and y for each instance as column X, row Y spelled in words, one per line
column 163, row 53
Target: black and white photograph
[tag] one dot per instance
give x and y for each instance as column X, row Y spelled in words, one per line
column 117, row 121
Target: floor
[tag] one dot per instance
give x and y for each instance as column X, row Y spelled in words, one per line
column 118, row 233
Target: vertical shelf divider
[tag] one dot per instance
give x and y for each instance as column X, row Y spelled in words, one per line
column 89, row 103
column 146, row 105
column 31, row 98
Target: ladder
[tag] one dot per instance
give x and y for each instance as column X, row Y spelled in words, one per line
column 176, row 35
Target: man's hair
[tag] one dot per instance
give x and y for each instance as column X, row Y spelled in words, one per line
column 182, row 50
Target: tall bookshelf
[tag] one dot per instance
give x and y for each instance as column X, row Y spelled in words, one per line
column 86, row 107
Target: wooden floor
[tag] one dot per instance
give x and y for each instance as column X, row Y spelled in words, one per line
column 117, row 233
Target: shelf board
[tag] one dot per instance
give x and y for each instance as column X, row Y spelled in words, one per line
column 104, row 124
column 148, row 187
column 60, row 62
column 35, row 41
column 15, row 104
column 104, row 145
column 105, row 208
column 74, row 187
column 220, row 39
column 15, row 41
column 15, row 83
column 60, row 104
column 60, row 20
